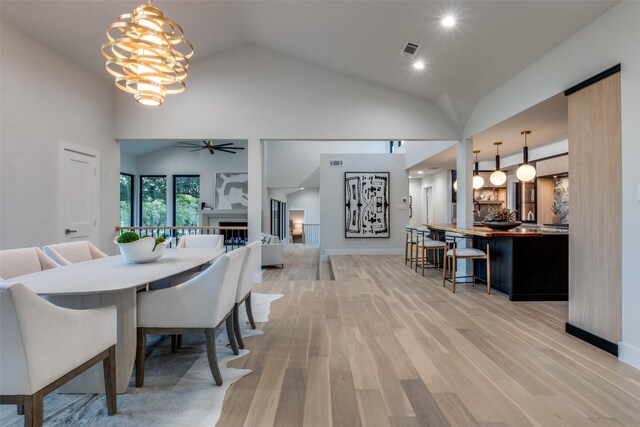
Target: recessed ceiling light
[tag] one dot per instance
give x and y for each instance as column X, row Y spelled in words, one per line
column 409, row 176
column 449, row 21
column 302, row 188
column 418, row 65
column 420, row 172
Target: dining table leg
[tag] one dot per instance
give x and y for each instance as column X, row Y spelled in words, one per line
column 92, row 380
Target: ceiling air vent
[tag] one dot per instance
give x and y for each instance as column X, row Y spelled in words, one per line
column 411, row 49
column 335, row 163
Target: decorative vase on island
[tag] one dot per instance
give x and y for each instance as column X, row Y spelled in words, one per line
column 555, row 219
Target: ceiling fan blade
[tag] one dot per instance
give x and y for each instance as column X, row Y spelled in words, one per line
column 187, row 144
column 198, row 149
column 225, row 150
column 210, row 150
column 220, row 147
column 224, row 144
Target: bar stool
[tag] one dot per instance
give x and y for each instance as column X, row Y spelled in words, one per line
column 452, row 254
column 424, row 245
column 411, row 240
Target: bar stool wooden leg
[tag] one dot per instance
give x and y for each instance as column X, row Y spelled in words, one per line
column 444, row 268
column 454, row 268
column 473, row 272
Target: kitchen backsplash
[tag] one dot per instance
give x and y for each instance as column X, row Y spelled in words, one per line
column 561, row 197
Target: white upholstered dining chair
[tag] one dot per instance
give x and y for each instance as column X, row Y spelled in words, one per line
column 16, row 262
column 42, row 346
column 73, row 252
column 197, row 306
column 201, row 241
column 250, row 266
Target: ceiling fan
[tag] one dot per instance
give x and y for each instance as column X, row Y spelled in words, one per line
column 227, row 147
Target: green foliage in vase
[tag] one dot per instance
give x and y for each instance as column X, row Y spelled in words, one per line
column 158, row 241
column 128, row 237
column 500, row 215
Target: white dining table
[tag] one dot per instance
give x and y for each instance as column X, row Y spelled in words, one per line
column 111, row 281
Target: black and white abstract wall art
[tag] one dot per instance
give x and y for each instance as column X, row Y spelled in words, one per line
column 366, row 204
column 232, row 190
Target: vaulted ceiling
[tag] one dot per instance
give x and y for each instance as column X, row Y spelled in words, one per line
column 491, row 42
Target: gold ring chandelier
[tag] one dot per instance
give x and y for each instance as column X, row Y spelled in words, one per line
column 147, row 54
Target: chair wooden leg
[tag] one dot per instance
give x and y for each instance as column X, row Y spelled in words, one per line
column 211, row 355
column 231, row 335
column 109, row 368
column 34, row 410
column 247, row 304
column 406, row 250
column 141, row 348
column 425, row 255
column 236, row 325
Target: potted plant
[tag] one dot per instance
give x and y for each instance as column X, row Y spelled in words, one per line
column 138, row 249
column 501, row 219
column 555, row 208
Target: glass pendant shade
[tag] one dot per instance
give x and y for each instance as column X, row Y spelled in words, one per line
column 478, row 182
column 526, row 172
column 147, row 54
column 455, row 185
column 498, row 178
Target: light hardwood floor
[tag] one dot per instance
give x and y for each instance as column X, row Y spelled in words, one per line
column 383, row 346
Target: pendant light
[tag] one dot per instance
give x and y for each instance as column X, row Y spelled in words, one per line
column 525, row 172
column 147, row 54
column 478, row 181
column 498, row 177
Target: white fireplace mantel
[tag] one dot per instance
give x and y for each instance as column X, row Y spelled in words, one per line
column 214, row 216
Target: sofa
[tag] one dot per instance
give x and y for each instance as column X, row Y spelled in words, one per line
column 272, row 251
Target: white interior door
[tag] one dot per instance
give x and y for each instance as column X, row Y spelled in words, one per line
column 428, row 205
column 80, row 197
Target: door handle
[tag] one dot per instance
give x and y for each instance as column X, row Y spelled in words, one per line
column 69, row 231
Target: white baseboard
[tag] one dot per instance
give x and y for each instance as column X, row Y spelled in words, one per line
column 257, row 278
column 629, row 354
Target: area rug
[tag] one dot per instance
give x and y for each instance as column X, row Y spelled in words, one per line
column 178, row 387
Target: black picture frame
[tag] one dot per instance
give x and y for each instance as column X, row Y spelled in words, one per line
column 367, row 198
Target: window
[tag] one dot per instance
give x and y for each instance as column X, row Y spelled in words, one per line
column 394, row 144
column 153, row 201
column 126, row 200
column 278, row 218
column 186, row 200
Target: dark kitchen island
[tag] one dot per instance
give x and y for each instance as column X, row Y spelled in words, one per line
column 527, row 263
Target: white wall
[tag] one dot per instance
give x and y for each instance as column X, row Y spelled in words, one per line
column 128, row 164
column 309, row 200
column 256, row 94
column 417, row 151
column 45, row 100
column 439, row 182
column 415, row 191
column 610, row 39
column 292, row 163
column 332, row 204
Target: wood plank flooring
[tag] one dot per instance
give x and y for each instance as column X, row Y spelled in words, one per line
column 383, row 346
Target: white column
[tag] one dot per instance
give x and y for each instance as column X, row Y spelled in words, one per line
column 464, row 199
column 464, row 169
column 254, row 212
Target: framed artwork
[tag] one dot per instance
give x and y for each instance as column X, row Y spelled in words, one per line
column 366, row 204
column 232, row 190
